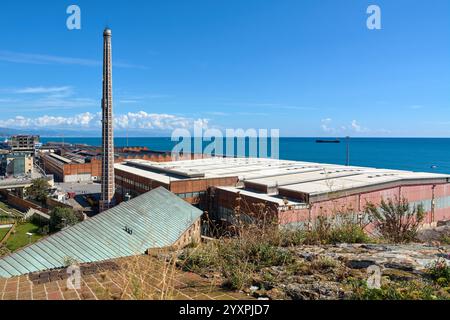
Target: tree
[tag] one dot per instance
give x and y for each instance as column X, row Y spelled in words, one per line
column 396, row 220
column 38, row 190
column 63, row 217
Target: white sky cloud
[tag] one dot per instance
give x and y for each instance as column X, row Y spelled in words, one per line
column 33, row 58
column 353, row 127
column 41, row 98
column 325, row 125
column 139, row 120
column 39, row 90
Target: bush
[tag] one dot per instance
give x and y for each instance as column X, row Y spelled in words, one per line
column 348, row 233
column 238, row 276
column 324, row 264
column 38, row 190
column 411, row 290
column 445, row 239
column 266, row 255
column 63, row 217
column 341, row 228
column 439, row 272
column 395, row 220
column 238, row 259
column 200, row 259
column 44, row 230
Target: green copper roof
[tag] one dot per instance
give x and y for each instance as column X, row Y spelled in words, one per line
column 155, row 219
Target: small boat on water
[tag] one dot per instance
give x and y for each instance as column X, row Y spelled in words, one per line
column 328, row 141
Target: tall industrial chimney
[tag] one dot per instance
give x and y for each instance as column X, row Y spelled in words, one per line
column 108, row 187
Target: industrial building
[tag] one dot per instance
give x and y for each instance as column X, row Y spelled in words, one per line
column 24, row 143
column 84, row 164
column 16, row 164
column 154, row 221
column 296, row 192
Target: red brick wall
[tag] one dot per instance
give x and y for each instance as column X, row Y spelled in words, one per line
column 185, row 186
column 23, row 204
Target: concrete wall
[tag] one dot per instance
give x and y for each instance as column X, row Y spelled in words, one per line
column 91, row 169
column 79, row 178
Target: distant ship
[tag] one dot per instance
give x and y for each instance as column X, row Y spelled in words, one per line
column 328, row 141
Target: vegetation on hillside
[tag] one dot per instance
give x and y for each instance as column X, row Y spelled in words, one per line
column 260, row 255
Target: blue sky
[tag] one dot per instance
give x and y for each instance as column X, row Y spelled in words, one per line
column 308, row 68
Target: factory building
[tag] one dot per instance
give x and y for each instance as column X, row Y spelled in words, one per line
column 73, row 164
column 16, row 164
column 295, row 192
column 24, row 143
column 69, row 169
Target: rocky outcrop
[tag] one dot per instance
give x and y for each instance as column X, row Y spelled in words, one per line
column 436, row 235
column 319, row 272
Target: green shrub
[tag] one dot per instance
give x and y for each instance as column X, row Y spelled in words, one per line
column 39, row 190
column 411, row 290
column 340, row 228
column 293, row 237
column 238, row 276
column 266, row 255
column 300, row 268
column 439, row 272
column 63, row 217
column 396, row 220
column 199, row 259
column 323, row 264
column 445, row 239
column 348, row 233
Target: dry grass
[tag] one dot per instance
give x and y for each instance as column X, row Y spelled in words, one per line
column 142, row 278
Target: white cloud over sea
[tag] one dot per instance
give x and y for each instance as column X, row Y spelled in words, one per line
column 132, row 120
column 353, row 128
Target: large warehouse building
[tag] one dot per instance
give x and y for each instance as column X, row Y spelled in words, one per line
column 296, row 192
column 85, row 164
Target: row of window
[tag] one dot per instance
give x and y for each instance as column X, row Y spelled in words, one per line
column 189, row 195
column 142, row 186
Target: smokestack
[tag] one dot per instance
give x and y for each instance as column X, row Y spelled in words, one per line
column 108, row 186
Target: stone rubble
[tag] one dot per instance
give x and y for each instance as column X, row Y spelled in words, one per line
column 398, row 262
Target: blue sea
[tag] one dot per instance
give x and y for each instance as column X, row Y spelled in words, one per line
column 415, row 154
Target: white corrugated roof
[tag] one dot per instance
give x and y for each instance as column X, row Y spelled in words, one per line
column 296, row 176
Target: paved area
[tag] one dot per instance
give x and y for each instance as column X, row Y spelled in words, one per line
column 136, row 278
column 79, row 188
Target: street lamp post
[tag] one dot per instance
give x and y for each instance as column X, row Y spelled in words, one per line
column 29, row 234
column 348, row 151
